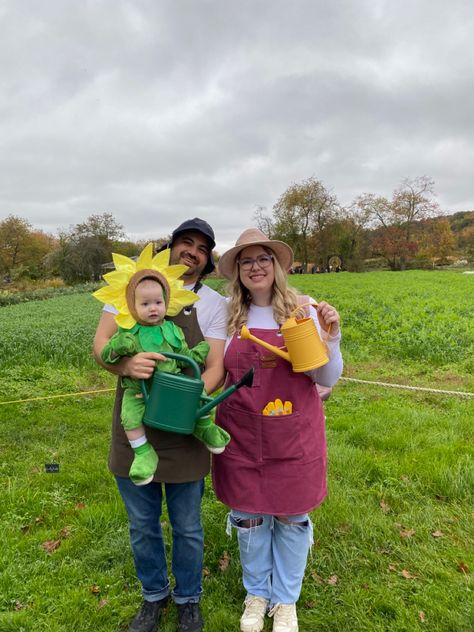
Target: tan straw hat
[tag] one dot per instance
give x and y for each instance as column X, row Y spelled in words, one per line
column 255, row 237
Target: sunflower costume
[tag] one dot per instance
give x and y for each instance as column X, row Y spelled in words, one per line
column 134, row 336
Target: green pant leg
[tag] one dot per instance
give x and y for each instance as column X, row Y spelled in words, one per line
column 133, row 408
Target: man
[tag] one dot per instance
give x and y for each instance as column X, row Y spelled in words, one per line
column 183, row 460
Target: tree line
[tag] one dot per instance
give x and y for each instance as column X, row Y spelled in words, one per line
column 77, row 254
column 403, row 231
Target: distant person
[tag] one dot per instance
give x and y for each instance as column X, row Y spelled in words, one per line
column 183, row 460
column 273, row 472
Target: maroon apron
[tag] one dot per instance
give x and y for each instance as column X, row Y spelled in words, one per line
column 273, row 464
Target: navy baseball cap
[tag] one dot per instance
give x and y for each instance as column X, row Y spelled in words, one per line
column 197, row 225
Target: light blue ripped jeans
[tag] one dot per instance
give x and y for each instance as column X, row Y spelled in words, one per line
column 273, row 554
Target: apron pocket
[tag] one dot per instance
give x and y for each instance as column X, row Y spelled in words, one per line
column 245, row 432
column 257, row 438
column 281, row 437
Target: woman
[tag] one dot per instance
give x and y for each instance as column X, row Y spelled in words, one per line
column 273, row 471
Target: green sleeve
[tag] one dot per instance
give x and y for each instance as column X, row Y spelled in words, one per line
column 122, row 343
column 197, row 353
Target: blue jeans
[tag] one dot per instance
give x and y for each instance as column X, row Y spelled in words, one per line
column 144, row 507
column 273, row 554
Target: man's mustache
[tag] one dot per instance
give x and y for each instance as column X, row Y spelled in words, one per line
column 188, row 255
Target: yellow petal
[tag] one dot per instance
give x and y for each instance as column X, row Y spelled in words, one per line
column 112, row 296
column 161, row 259
column 173, row 309
column 106, row 294
column 98, row 294
column 121, row 261
column 126, row 321
column 145, row 259
column 121, row 304
column 174, row 272
column 117, row 278
column 180, row 299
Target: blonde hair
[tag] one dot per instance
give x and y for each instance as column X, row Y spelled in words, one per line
column 284, row 298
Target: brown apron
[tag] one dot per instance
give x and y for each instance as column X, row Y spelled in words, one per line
column 182, row 458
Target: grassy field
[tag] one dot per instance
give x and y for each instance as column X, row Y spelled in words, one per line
column 393, row 542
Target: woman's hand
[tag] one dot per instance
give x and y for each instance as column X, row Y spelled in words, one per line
column 141, row 365
column 328, row 317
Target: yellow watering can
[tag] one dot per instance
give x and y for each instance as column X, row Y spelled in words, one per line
column 305, row 349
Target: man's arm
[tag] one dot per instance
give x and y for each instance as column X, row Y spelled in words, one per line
column 213, row 374
column 139, row 366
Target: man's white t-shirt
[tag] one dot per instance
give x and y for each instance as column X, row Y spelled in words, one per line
column 211, row 310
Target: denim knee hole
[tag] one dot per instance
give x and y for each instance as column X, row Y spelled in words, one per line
column 244, row 526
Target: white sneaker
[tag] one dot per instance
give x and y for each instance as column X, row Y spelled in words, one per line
column 284, row 617
column 253, row 618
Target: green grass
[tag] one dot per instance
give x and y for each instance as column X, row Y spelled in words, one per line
column 400, row 470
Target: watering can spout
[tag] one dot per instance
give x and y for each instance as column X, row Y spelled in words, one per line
column 246, row 335
column 246, row 380
column 305, row 349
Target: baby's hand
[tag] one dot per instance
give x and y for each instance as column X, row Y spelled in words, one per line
column 141, row 365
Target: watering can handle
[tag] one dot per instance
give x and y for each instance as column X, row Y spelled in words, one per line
column 182, row 358
column 303, row 305
column 311, row 304
column 144, row 391
column 176, row 356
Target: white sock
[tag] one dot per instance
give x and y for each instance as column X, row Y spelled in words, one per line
column 136, row 443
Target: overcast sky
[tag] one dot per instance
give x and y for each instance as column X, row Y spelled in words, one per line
column 160, row 110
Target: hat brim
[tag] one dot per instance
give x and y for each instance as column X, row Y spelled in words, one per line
column 282, row 252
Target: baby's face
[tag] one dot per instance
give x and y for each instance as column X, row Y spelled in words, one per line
column 149, row 302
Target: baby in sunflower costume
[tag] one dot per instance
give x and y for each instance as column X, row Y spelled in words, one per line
column 144, row 292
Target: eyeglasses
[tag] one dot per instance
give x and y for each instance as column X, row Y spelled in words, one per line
column 263, row 261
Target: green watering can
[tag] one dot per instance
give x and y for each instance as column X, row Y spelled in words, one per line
column 173, row 401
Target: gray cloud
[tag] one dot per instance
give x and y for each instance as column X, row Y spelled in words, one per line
column 157, row 111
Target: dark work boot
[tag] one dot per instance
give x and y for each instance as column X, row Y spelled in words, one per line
column 190, row 618
column 148, row 618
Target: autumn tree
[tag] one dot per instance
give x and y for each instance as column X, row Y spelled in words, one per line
column 103, row 227
column 346, row 237
column 301, row 212
column 14, row 238
column 22, row 249
column 395, row 219
column 463, row 225
column 85, row 247
column 466, row 243
column 264, row 222
column 437, row 240
column 413, row 201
